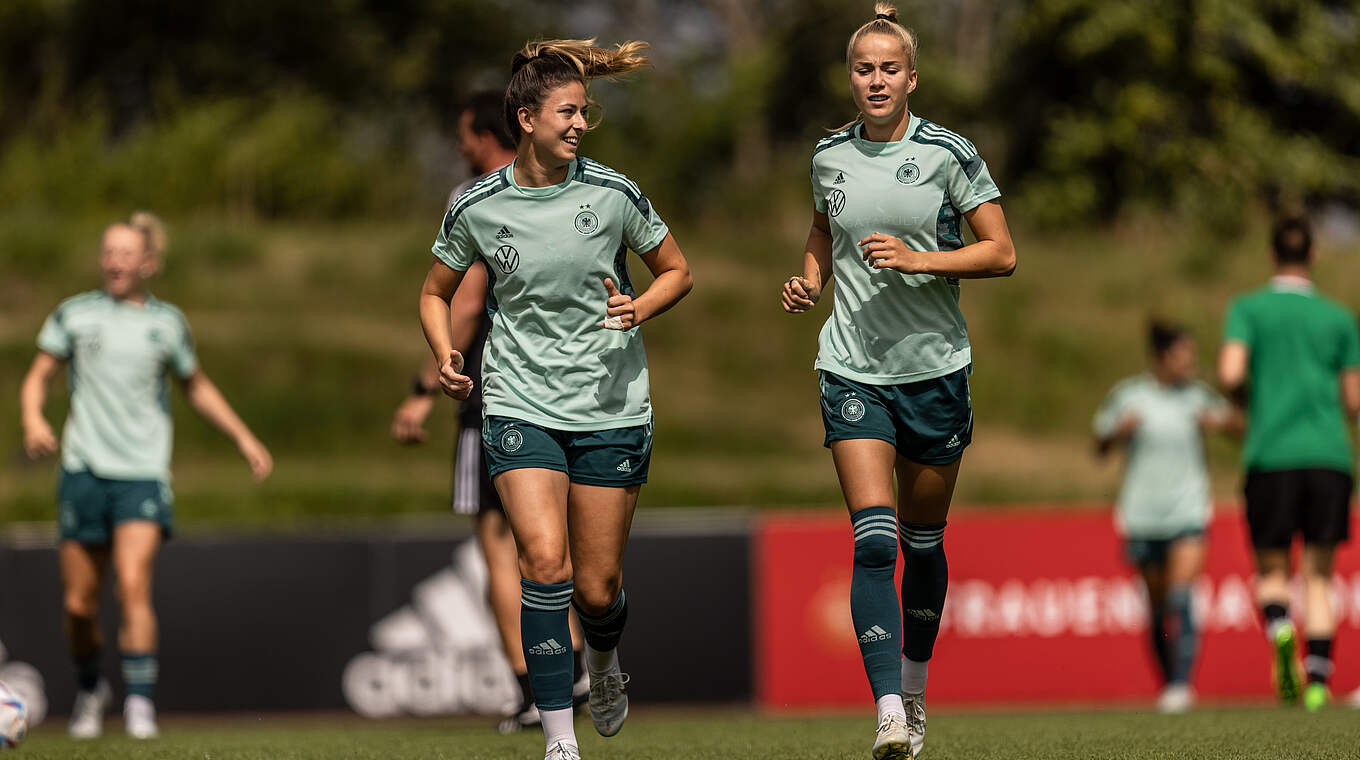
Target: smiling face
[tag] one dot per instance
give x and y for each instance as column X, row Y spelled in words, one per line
column 555, row 130
column 881, row 77
column 125, row 261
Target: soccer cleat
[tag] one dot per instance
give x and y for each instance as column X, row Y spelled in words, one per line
column 563, row 751
column 87, row 715
column 609, row 701
column 893, row 740
column 1286, row 667
column 1316, row 697
column 916, row 721
column 1175, row 699
column 139, row 717
column 520, row 720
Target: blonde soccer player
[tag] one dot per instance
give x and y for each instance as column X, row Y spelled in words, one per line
column 120, row 345
column 568, row 429
column 891, row 192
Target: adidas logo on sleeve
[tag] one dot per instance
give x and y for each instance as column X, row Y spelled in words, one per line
column 504, row 233
column 549, row 647
column 874, row 634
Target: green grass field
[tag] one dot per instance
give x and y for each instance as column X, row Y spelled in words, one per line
column 1239, row 734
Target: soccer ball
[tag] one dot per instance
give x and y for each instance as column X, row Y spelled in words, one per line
column 13, row 719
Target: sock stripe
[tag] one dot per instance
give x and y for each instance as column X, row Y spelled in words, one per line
column 609, row 616
column 879, row 532
column 549, row 598
column 546, row 607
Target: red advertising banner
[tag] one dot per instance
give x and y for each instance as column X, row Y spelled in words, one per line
column 1042, row 607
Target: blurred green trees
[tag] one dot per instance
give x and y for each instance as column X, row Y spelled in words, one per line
column 1085, row 108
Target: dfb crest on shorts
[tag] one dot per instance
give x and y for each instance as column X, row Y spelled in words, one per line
column 908, row 173
column 852, row 410
column 586, row 221
column 507, row 258
column 512, row 440
column 835, row 202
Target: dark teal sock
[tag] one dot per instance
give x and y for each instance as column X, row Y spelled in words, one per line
column 925, row 579
column 1161, row 646
column 1185, row 637
column 602, row 633
column 140, row 670
column 873, row 598
column 87, row 669
column 545, row 635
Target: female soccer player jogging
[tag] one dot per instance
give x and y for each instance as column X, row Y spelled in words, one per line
column 889, row 191
column 568, row 416
column 114, row 488
column 1164, row 504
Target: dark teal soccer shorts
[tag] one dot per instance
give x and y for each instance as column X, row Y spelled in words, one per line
column 615, row 458
column 91, row 506
column 929, row 422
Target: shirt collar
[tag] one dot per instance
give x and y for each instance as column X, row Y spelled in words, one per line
column 1291, row 282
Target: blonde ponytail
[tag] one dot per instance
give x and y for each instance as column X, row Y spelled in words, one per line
column 544, row 65
column 153, row 231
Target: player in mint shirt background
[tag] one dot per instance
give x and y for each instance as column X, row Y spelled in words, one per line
column 118, row 345
column 565, row 387
column 890, row 191
column 1164, row 506
column 1295, row 357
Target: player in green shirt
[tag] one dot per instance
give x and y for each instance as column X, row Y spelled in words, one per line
column 565, row 391
column 1295, row 355
column 890, row 191
column 118, row 344
column 1164, row 504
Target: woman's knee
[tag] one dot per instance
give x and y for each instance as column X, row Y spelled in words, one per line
column 82, row 604
column 596, row 593
column 545, row 563
column 134, row 589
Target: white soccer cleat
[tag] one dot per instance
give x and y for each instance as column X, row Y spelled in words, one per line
column 609, row 701
column 916, row 721
column 87, row 715
column 1176, row 699
column 139, row 717
column 893, row 741
column 563, row 751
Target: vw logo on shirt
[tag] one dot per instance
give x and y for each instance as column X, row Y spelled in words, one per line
column 835, row 202
column 507, row 258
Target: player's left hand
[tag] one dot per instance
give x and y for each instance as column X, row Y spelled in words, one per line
column 889, row 252
column 451, row 377
column 621, row 314
column 257, row 456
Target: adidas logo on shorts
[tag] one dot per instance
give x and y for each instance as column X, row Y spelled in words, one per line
column 874, row 634
column 548, row 647
column 952, row 442
column 626, row 466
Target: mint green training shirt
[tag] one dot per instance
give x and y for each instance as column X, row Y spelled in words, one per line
column 1166, row 479
column 887, row 327
column 118, row 354
column 548, row 251
column 1298, row 343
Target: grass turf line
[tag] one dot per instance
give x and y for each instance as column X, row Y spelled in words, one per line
column 1239, row 734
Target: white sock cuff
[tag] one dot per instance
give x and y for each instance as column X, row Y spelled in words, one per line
column 558, row 726
column 914, row 676
column 890, row 704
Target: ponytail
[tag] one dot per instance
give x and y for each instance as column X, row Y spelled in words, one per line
column 153, row 231
column 545, row 65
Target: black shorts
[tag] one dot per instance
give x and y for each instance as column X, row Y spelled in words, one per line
column 473, row 492
column 1282, row 503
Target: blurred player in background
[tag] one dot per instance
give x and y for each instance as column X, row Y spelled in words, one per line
column 889, row 191
column 1165, row 503
column 568, row 428
column 486, row 146
column 1294, row 355
column 118, row 344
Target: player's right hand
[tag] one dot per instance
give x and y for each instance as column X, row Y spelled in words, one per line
column 408, row 424
column 451, row 379
column 798, row 295
column 39, row 440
